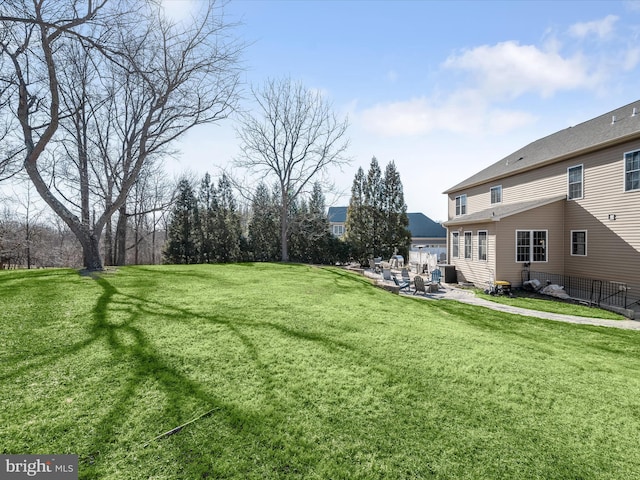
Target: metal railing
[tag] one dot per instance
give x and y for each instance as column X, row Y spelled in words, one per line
column 592, row 290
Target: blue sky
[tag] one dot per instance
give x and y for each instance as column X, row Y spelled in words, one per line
column 443, row 89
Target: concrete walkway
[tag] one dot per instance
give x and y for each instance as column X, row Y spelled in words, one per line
column 450, row 292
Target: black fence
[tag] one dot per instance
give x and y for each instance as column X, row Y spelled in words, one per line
column 594, row 291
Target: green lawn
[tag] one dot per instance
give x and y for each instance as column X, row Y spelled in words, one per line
column 299, row 372
column 532, row 301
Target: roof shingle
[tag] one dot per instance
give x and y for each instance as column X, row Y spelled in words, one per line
column 592, row 134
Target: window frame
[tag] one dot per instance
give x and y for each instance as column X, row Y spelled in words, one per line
column 625, row 172
column 572, row 243
column 497, row 188
column 569, row 183
column 455, row 245
column 485, row 233
column 338, row 226
column 532, row 247
column 468, row 249
column 461, row 205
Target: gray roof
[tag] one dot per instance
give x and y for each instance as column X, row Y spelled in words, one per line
column 338, row 214
column 498, row 212
column 420, row 225
column 593, row 134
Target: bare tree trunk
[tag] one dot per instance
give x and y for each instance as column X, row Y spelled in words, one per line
column 108, row 243
column 91, row 252
column 121, row 236
column 153, row 241
column 284, row 227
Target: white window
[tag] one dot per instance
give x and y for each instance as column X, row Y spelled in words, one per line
column 579, row 243
column 467, row 245
column 575, row 181
column 455, row 244
column 632, row 171
column 531, row 245
column 338, row 230
column 461, row 205
column 496, row 194
column 482, row 245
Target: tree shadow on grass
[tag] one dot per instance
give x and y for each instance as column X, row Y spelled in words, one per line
column 114, row 326
column 145, row 363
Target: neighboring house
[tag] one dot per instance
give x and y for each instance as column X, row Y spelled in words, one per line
column 337, row 220
column 567, row 204
column 425, row 233
column 427, row 236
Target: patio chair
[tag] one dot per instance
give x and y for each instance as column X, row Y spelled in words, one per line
column 418, row 283
column 403, row 286
column 372, row 264
column 436, row 275
column 386, row 274
column 405, row 275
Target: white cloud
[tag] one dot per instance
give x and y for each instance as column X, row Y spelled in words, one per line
column 463, row 113
column 631, row 59
column 600, row 28
column 178, row 10
column 632, row 5
column 509, row 69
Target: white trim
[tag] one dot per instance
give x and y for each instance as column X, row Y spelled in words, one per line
column 531, row 260
column 486, row 246
column 624, row 172
column 458, row 210
column 470, row 244
column 571, row 243
column 455, row 235
column 581, row 165
column 491, row 202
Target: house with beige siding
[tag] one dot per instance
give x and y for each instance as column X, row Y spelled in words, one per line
column 566, row 205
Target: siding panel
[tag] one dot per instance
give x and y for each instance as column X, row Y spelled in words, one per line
column 613, row 246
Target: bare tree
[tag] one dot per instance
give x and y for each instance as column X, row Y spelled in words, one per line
column 139, row 76
column 294, row 137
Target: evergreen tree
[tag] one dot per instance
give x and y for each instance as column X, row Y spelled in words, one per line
column 396, row 235
column 377, row 216
column 182, row 231
column 227, row 224
column 374, row 210
column 310, row 234
column 318, row 228
column 298, row 239
column 355, row 226
column 264, row 227
column 208, row 210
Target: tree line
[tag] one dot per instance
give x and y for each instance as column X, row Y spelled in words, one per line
column 203, row 222
column 207, row 226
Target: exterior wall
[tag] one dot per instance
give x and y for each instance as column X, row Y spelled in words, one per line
column 476, row 271
column 603, row 177
column 613, row 246
column 549, row 218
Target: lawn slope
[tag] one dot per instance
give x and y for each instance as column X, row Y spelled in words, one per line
column 291, row 371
